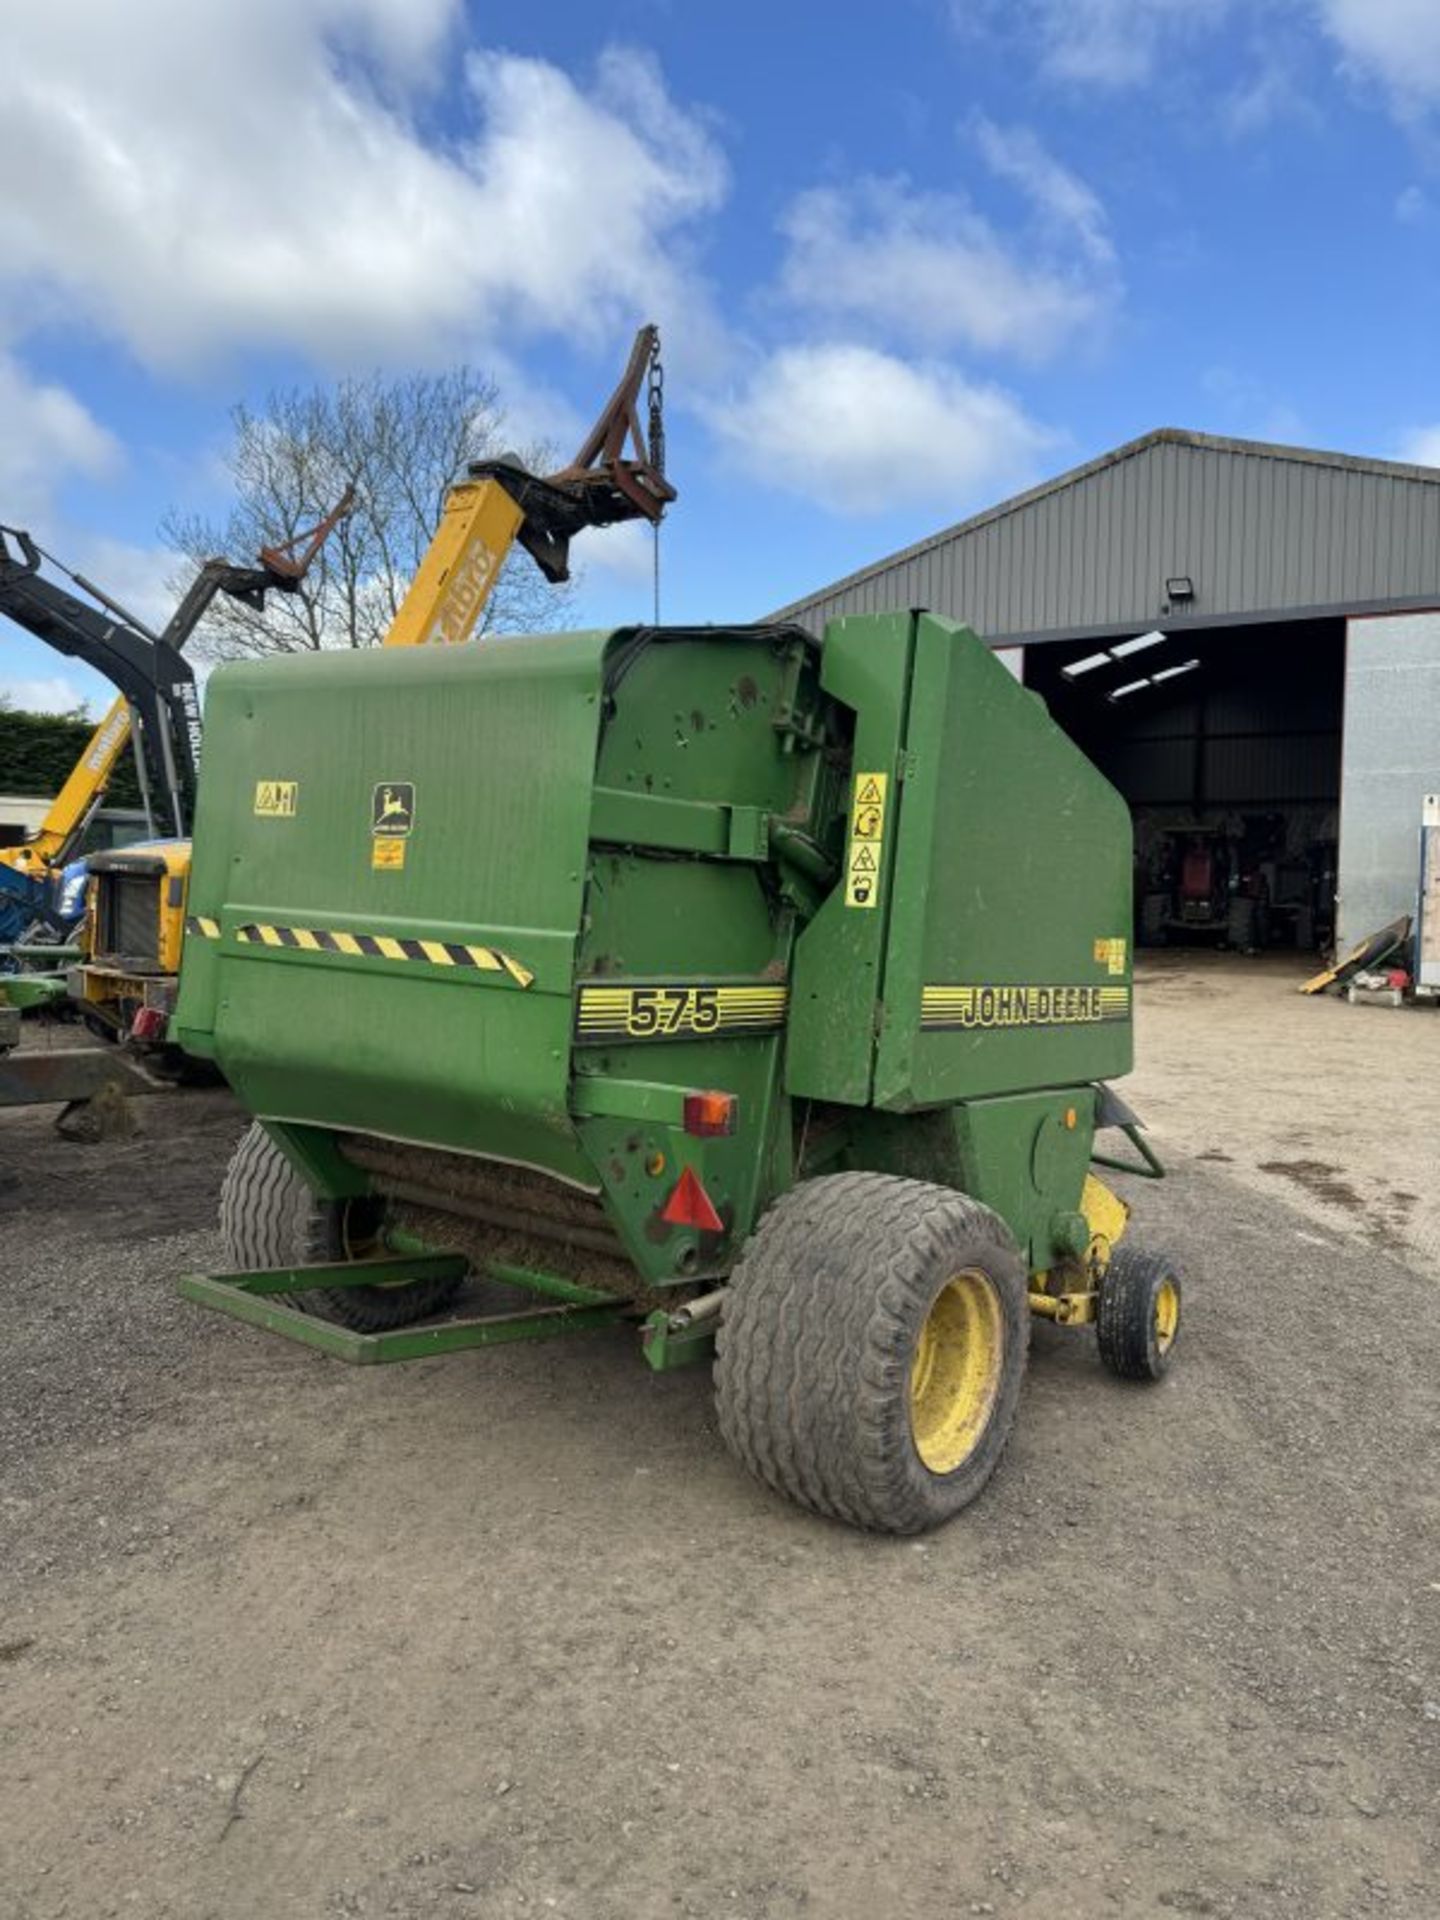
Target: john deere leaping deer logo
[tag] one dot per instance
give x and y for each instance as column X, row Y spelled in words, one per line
column 392, row 808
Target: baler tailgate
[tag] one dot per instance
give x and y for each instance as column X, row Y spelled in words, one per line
column 1008, row 961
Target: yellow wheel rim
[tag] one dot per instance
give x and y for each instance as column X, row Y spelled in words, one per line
column 955, row 1375
column 1167, row 1314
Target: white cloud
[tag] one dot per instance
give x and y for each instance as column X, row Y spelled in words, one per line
column 587, row 198
column 1126, row 43
column 1396, row 42
column 53, row 694
column 926, row 268
column 193, row 178
column 1421, row 447
column 882, row 417
column 1271, row 91
column 46, row 435
column 1016, row 154
column 1123, row 43
column 409, row 35
column 860, row 431
column 625, row 554
column 1107, row 43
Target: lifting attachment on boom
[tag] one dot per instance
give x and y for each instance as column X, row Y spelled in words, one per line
column 601, row 486
column 618, row 474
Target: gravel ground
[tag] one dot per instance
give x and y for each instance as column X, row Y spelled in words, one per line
column 1332, row 1108
column 509, row 1634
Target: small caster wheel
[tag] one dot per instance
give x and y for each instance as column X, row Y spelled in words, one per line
column 1139, row 1317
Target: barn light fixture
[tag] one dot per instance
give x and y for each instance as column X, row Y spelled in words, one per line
column 1182, row 587
column 1111, row 655
column 1087, row 665
column 1122, row 648
column 1153, row 680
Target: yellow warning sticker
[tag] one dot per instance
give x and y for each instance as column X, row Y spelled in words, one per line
column 1110, row 954
column 277, row 799
column 867, row 834
column 388, row 852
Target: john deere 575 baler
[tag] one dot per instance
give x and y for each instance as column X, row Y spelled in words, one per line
column 757, row 992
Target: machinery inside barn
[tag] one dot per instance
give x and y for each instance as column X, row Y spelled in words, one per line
column 1227, row 746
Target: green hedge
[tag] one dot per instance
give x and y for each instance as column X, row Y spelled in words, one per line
column 37, row 751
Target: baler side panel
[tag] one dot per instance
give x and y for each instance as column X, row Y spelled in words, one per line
column 1012, row 872
column 418, row 983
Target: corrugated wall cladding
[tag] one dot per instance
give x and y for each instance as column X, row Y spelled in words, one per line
column 1392, row 760
column 1281, row 771
column 1245, row 758
column 1258, row 529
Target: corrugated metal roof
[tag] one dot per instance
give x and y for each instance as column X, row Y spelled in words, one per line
column 1259, row 529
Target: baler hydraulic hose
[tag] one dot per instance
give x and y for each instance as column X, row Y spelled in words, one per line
column 703, row 1307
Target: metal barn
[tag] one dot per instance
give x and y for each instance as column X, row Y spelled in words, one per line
column 1246, row 638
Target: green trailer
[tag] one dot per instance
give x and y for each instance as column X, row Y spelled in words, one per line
column 756, row 992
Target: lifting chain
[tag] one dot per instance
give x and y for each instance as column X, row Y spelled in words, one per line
column 657, row 408
column 656, row 397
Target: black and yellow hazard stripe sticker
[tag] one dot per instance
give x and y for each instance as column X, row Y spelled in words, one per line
column 375, row 946
column 983, row 1007
column 678, row 1010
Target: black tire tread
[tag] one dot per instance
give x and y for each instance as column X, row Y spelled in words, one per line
column 1124, row 1322
column 814, row 1343
column 270, row 1218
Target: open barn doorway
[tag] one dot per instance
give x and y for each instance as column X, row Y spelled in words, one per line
column 1226, row 742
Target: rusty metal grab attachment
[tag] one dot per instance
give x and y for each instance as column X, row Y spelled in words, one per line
column 289, row 560
column 282, row 569
column 603, row 484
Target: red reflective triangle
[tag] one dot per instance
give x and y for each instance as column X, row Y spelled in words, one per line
column 690, row 1206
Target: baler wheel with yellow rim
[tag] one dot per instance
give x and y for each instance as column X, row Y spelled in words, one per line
column 270, row 1218
column 1138, row 1321
column 871, row 1349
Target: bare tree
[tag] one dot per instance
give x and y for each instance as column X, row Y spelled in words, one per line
column 402, row 442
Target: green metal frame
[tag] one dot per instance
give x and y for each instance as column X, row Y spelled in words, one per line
column 31, row 954
column 258, row 1298
column 1153, row 1167
column 28, row 990
column 667, row 1346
